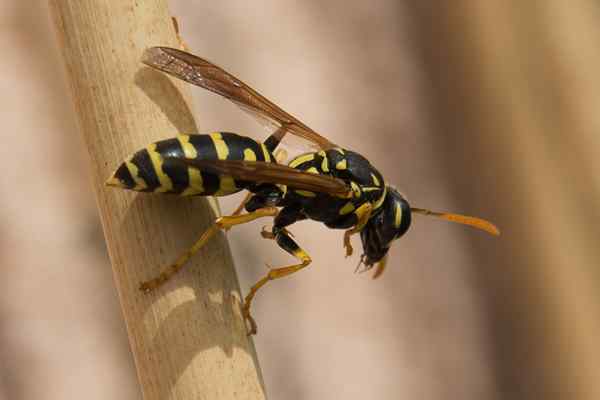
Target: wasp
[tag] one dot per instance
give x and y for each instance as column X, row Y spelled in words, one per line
column 332, row 185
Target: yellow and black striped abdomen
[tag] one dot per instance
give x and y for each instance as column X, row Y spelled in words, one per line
column 144, row 171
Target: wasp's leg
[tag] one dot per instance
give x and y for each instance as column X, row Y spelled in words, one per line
column 286, row 217
column 273, row 141
column 267, row 234
column 288, row 244
column 222, row 223
column 182, row 44
column 363, row 213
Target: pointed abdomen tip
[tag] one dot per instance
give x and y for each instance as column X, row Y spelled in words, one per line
column 114, row 181
column 122, row 178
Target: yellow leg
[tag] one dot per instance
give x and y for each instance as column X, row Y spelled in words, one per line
column 222, row 223
column 182, row 45
column 267, row 234
column 273, row 274
column 288, row 244
column 364, row 214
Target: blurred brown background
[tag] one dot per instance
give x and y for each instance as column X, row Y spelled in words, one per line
column 483, row 108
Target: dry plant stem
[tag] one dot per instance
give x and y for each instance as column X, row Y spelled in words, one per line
column 188, row 338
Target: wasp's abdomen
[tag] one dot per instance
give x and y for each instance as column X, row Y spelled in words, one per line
column 145, row 170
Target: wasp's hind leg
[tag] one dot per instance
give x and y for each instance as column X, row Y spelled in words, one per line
column 273, row 141
column 222, row 223
column 287, row 216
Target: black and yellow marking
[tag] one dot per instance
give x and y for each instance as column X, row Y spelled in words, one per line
column 303, row 159
column 363, row 214
column 226, row 183
column 397, row 215
column 146, row 170
column 305, row 162
column 195, row 184
column 249, row 155
column 347, row 208
column 122, row 177
column 324, row 162
column 381, row 199
column 165, row 182
column 375, row 180
column 341, row 165
column 141, row 168
column 356, row 189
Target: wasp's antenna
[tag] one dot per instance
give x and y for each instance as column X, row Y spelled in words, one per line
column 461, row 219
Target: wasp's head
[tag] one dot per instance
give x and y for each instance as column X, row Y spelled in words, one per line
column 391, row 222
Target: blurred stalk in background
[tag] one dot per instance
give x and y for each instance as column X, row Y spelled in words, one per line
column 518, row 82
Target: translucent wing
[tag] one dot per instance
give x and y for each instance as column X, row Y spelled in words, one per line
column 264, row 172
column 205, row 74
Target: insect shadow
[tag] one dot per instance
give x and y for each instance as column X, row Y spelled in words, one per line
column 210, row 290
column 165, row 94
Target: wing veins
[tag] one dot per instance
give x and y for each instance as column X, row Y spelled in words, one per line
column 203, row 73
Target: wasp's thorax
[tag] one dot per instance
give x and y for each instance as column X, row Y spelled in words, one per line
column 389, row 224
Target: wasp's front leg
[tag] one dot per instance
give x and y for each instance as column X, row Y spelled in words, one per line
column 182, row 44
column 363, row 214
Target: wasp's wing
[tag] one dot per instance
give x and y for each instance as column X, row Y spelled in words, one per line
column 264, row 172
column 205, row 74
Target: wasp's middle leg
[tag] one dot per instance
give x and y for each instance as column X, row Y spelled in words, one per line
column 286, row 217
column 222, row 223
